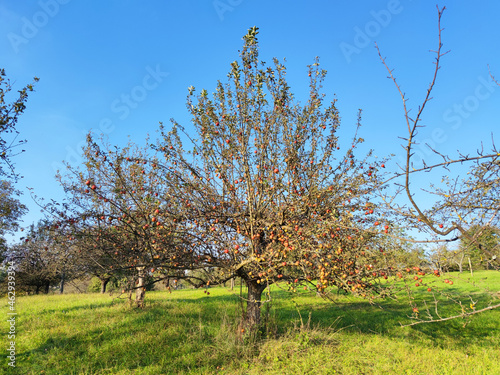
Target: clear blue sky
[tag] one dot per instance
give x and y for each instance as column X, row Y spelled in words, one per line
column 123, row 66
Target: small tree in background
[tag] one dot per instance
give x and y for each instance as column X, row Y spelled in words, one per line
column 40, row 261
column 11, row 211
column 481, row 246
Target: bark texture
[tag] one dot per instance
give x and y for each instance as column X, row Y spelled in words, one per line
column 140, row 292
column 252, row 318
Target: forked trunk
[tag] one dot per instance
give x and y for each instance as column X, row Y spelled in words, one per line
column 140, row 292
column 252, row 318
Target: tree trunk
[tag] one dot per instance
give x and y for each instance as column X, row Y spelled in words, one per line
column 232, row 283
column 37, row 289
column 104, row 283
column 47, row 287
column 252, row 318
column 140, row 292
column 61, row 286
column 460, row 266
column 470, row 267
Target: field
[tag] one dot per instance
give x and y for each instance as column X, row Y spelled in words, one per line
column 189, row 332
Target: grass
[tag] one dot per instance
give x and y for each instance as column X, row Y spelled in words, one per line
column 188, row 332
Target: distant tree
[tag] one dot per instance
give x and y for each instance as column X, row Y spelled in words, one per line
column 11, row 210
column 445, row 259
column 403, row 252
column 40, row 262
column 481, row 246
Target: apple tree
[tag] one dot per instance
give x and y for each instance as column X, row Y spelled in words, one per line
column 40, row 261
column 9, row 115
column 123, row 217
column 10, row 208
column 461, row 204
column 270, row 190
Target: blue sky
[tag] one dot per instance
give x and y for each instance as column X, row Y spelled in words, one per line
column 120, row 67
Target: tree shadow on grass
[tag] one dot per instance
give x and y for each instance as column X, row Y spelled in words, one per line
column 352, row 314
column 89, row 306
column 387, row 317
column 159, row 334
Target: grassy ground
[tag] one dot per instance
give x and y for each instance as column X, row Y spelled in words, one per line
column 188, row 332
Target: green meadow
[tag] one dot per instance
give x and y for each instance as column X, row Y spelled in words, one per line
column 190, row 332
